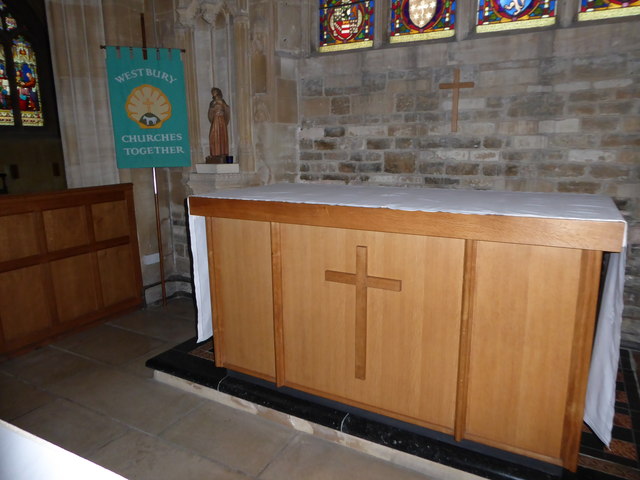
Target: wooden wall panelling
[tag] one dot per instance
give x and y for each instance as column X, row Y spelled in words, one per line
column 110, row 220
column 116, row 275
column 65, row 228
column 59, row 271
column 46, row 275
column 24, row 305
column 75, row 288
column 133, row 244
column 72, row 277
column 95, row 265
column 18, row 237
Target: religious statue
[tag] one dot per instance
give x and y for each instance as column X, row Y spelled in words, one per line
column 219, row 114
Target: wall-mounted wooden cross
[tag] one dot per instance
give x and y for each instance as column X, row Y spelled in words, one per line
column 362, row 281
column 455, row 86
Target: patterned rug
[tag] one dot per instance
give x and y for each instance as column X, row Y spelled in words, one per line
column 596, row 461
column 621, row 458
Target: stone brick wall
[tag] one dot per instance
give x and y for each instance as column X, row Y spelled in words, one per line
column 551, row 111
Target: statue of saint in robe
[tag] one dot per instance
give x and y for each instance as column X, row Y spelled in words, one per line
column 219, row 114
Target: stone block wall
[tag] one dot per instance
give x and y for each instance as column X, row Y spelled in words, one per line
column 551, row 111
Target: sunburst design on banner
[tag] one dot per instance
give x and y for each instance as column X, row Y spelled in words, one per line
column 148, row 106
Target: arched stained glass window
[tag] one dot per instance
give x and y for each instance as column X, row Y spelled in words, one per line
column 20, row 102
column 346, row 24
column 496, row 15
column 6, row 108
column 413, row 20
column 597, row 9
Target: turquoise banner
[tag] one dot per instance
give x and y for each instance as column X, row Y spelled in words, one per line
column 148, row 107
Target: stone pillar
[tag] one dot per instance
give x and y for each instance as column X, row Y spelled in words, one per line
column 76, row 30
column 243, row 87
column 184, row 33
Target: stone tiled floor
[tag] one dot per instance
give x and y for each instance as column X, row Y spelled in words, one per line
column 91, row 394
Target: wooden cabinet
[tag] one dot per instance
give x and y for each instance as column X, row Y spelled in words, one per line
column 478, row 326
column 67, row 258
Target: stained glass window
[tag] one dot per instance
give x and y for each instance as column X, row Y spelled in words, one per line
column 495, row 15
column 597, row 9
column 6, row 110
column 11, row 22
column 24, row 61
column 346, row 24
column 20, row 102
column 422, row 19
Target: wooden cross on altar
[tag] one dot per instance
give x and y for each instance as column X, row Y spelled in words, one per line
column 455, row 86
column 362, row 281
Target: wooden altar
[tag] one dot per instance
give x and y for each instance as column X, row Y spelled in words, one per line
column 473, row 324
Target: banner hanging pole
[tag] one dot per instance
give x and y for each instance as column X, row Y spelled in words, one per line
column 155, row 186
column 149, row 115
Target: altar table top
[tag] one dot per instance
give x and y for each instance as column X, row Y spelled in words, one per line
column 567, row 206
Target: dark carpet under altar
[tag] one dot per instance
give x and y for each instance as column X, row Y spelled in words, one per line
column 193, row 362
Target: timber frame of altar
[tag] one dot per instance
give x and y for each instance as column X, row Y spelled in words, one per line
column 524, row 293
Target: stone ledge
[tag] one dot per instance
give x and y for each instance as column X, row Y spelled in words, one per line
column 202, row 183
column 217, row 168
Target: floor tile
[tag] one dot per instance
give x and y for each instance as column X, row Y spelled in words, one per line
column 71, row 426
column 137, row 456
column 313, row 459
column 180, row 307
column 239, row 440
column 142, row 403
column 47, row 365
column 109, row 344
column 18, row 398
column 137, row 365
column 157, row 324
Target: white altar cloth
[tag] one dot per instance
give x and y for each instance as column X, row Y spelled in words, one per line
column 24, row 456
column 600, row 402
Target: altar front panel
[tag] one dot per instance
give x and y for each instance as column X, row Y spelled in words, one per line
column 242, row 295
column 412, row 335
column 525, row 324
